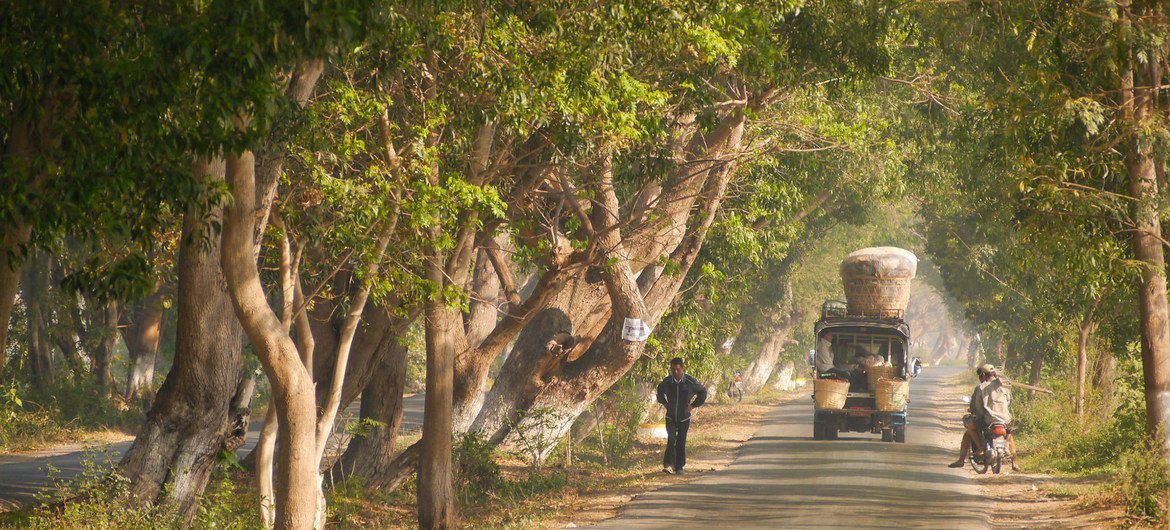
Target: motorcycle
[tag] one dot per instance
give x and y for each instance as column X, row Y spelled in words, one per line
column 995, row 450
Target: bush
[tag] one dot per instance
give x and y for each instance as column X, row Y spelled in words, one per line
column 33, row 416
column 1144, row 484
column 477, row 474
column 24, row 423
column 97, row 499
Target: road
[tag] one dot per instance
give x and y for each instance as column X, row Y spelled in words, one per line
column 22, row 476
column 784, row 479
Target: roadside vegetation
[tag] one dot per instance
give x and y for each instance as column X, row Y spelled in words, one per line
column 496, row 489
column 214, row 211
column 1108, row 447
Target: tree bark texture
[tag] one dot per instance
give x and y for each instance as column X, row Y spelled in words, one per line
column 175, row 449
column 297, row 480
column 370, row 456
column 142, row 334
column 435, row 491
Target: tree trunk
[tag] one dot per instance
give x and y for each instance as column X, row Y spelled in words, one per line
column 567, row 380
column 142, row 336
column 1037, row 366
column 784, row 379
column 1084, row 331
column 297, row 480
column 19, row 151
column 583, row 309
column 103, row 355
column 435, row 493
column 370, row 456
column 1147, row 248
column 171, row 459
column 35, row 295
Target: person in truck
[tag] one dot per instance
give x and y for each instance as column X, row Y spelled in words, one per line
column 679, row 393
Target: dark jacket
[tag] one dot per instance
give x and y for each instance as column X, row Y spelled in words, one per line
column 677, row 395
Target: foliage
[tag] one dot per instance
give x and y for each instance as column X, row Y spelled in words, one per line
column 477, row 473
column 1144, row 484
column 97, row 498
column 535, row 433
column 57, row 412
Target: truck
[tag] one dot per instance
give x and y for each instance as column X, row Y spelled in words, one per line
column 844, row 338
column 864, row 342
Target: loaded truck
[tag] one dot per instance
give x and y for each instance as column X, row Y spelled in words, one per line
column 861, row 363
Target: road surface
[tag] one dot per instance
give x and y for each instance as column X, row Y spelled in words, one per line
column 22, row 476
column 784, row 479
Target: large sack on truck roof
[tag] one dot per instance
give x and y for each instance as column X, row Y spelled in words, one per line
column 877, row 280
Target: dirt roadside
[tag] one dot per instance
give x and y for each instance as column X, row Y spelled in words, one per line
column 1032, row 500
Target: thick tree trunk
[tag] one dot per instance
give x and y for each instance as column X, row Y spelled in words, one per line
column 583, row 310
column 19, row 151
column 567, row 380
column 142, row 336
column 1147, row 249
column 371, row 455
column 784, row 377
column 171, row 459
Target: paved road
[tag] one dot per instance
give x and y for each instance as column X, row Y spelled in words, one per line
column 22, row 476
column 784, row 479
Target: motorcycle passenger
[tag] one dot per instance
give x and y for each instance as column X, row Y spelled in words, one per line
column 973, row 433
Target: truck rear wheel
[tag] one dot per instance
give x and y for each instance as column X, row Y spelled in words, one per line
column 887, row 435
column 818, row 430
column 900, row 434
column 830, row 431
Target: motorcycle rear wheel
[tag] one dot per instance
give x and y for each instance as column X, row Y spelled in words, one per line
column 976, row 464
column 996, row 462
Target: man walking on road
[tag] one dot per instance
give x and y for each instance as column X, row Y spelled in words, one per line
column 679, row 393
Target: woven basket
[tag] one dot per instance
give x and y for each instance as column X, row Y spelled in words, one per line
column 877, row 280
column 892, row 395
column 830, row 394
column 875, row 373
column 877, row 296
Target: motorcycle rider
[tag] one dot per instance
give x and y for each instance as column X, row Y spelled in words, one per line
column 990, row 404
column 997, row 400
column 972, row 435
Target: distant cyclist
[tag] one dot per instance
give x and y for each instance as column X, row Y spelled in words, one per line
column 735, row 388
